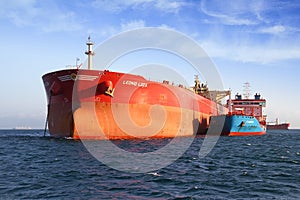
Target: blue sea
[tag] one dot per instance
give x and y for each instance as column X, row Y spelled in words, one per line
column 253, row 167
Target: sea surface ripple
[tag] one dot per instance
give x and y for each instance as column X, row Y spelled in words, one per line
column 254, row 167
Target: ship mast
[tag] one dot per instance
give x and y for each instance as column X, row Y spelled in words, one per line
column 90, row 52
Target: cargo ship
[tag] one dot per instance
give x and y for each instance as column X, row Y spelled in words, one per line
column 278, row 126
column 107, row 105
column 244, row 117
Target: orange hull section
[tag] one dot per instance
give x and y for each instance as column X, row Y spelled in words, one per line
column 123, row 121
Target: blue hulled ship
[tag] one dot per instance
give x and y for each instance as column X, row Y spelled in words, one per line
column 245, row 116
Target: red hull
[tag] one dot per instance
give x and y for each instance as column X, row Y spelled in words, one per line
column 247, row 133
column 92, row 104
column 284, row 126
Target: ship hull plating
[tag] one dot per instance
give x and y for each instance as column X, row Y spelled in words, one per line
column 238, row 125
column 92, row 104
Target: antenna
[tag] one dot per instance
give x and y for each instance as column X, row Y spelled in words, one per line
column 77, row 59
column 230, row 103
column 247, row 90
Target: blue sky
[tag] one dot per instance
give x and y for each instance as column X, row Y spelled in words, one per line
column 254, row 41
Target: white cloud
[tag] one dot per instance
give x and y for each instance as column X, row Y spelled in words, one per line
column 132, row 25
column 262, row 54
column 278, row 30
column 107, row 31
column 165, row 26
column 47, row 17
column 170, row 6
column 112, row 5
column 273, row 30
column 232, row 12
column 18, row 11
column 62, row 22
column 119, row 5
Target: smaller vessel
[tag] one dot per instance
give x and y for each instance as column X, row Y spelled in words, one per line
column 236, row 122
column 277, row 125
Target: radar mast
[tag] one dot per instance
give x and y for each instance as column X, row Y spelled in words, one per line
column 90, row 52
column 247, row 90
